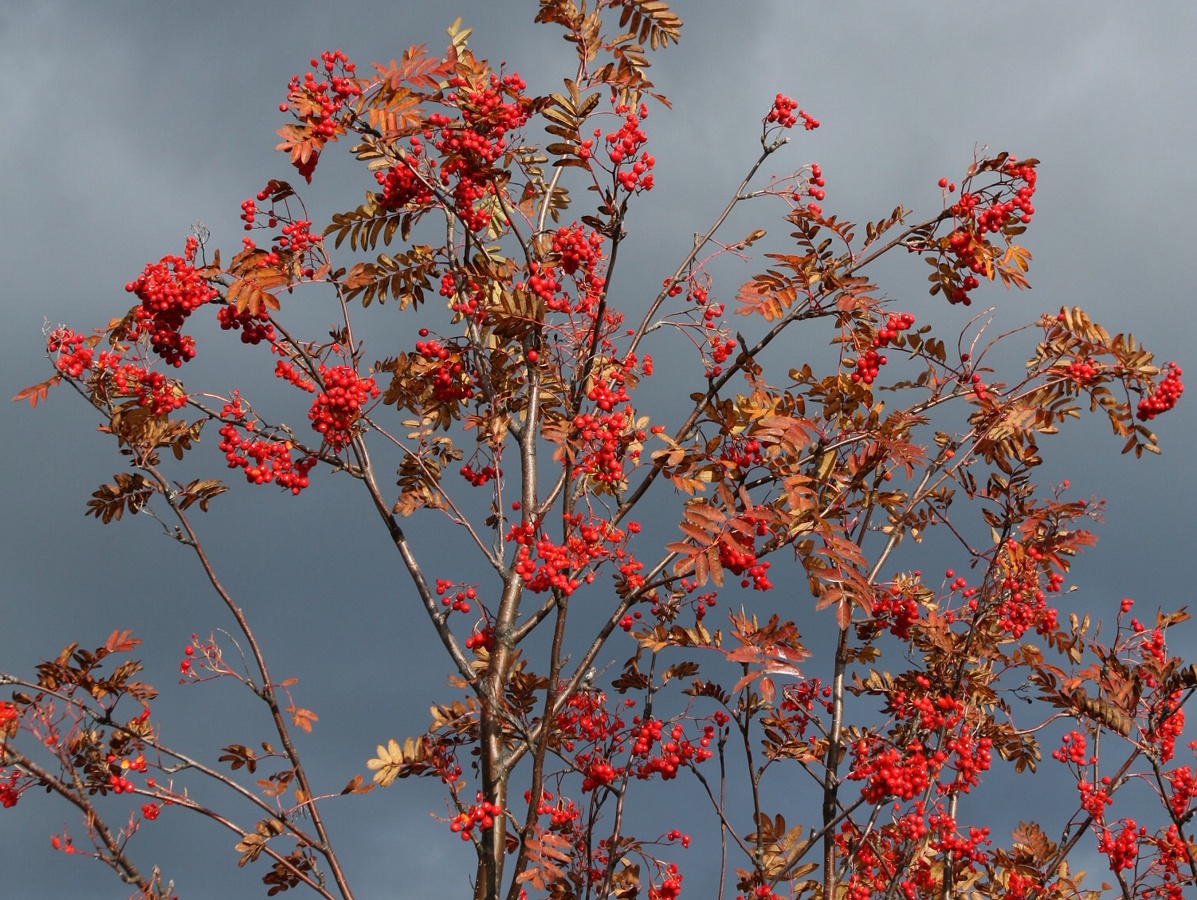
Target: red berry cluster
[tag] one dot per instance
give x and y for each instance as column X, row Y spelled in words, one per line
column 797, row 708
column 1023, row 601
column 587, row 541
column 561, row 813
column 480, row 815
column 676, row 835
column 482, row 475
column 450, row 382
column 895, row 610
column 586, row 717
column 1183, row 784
column 737, row 554
column 882, row 861
column 287, row 372
column 579, row 254
column 607, row 437
column 465, row 297
column 782, row 113
column 10, row 792
column 669, row 888
column 722, row 347
column 1082, row 371
column 249, row 212
column 1094, row 799
column 1163, row 734
column 254, row 327
column 74, row 353
column 263, row 461
column 169, row 291
column 337, row 408
column 991, row 210
column 151, row 389
column 471, row 146
column 317, row 104
column 743, row 453
column 1122, row 849
column 575, row 249
column 1165, row 395
column 1074, row 749
column 542, row 281
column 403, row 188
column 675, row 751
column 869, row 364
column 890, row 772
column 481, row 640
column 457, row 600
column 815, row 188
column 622, row 147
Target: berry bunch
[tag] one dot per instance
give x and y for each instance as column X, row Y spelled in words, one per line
column 608, row 438
column 1082, row 371
column 895, row 610
column 1122, row 849
column 1183, row 784
column 170, row 290
column 457, row 600
column 890, row 772
column 449, row 381
column 75, row 354
column 480, row 815
column 316, row 105
column 10, row 792
column 337, row 408
column 586, row 542
column 1074, row 749
column 469, row 147
column 1165, row 395
column 263, row 461
column 576, row 250
column 676, row 751
column 480, row 476
column 150, row 389
column 782, row 114
column 403, row 187
column 743, row 453
column 622, row 147
column 737, row 554
column 561, row 813
column 287, row 372
column 1003, row 207
column 254, row 327
column 481, row 640
column 869, row 363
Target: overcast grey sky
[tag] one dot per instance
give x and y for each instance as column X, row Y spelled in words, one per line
column 126, row 122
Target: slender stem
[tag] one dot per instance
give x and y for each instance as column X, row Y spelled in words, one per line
column 265, row 691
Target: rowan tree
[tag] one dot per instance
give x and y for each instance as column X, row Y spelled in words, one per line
column 800, row 493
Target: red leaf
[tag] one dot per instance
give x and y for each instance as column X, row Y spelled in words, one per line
column 36, row 392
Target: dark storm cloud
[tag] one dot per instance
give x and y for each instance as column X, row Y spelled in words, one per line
column 123, row 123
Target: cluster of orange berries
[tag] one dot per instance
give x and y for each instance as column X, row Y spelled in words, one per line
column 337, row 408
column 622, row 147
column 783, row 113
column 170, row 290
column 263, row 461
column 869, row 363
column 1165, row 395
column 480, row 815
column 458, row 600
column 318, row 104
